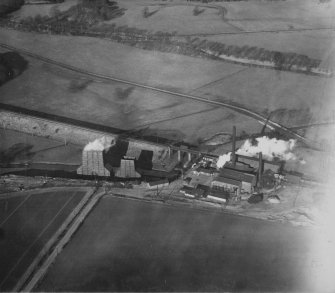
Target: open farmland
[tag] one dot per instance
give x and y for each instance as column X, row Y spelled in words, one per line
column 125, row 107
column 42, row 10
column 27, row 221
column 174, row 18
column 181, row 73
column 290, row 97
column 150, row 247
column 288, row 26
column 240, row 16
column 36, row 149
column 293, row 99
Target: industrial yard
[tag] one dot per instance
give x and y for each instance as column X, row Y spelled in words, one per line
column 167, row 145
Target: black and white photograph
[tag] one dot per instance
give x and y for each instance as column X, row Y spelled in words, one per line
column 167, row 146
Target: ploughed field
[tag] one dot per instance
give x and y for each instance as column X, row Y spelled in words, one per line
column 27, row 221
column 127, row 245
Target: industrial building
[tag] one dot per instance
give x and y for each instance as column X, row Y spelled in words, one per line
column 127, row 169
column 192, row 192
column 93, row 164
column 205, row 171
column 227, row 184
column 93, row 158
column 248, row 181
column 218, row 195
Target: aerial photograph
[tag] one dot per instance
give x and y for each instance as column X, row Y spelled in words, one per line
column 167, row 146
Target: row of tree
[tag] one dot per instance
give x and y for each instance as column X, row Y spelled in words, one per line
column 282, row 60
column 167, row 42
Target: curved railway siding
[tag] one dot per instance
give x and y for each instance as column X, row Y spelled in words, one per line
column 239, row 109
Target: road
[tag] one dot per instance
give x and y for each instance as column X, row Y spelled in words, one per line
column 239, row 109
column 312, row 125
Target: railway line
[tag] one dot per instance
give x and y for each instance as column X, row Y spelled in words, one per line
column 239, row 109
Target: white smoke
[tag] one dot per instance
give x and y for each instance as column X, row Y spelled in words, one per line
column 223, row 159
column 99, row 144
column 270, row 148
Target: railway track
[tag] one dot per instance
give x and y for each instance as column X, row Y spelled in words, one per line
column 242, row 110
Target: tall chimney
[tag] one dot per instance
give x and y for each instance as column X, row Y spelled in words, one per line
column 233, row 155
column 260, row 169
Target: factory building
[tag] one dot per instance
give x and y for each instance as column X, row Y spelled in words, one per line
column 93, row 157
column 248, row 181
column 227, row 184
column 93, row 164
column 192, row 192
column 127, row 169
column 218, row 195
column 205, row 171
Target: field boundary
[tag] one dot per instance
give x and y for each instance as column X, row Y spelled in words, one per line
column 240, row 109
column 36, row 267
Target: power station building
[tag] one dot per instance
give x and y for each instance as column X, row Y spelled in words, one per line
column 227, row 184
column 93, row 158
column 127, row 169
column 248, row 181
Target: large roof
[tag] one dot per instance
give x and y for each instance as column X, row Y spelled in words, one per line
column 237, row 175
column 127, row 170
column 228, row 181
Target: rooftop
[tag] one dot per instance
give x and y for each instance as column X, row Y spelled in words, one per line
column 237, row 175
column 228, row 181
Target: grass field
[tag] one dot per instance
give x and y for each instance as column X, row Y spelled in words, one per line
column 42, row 10
column 245, row 16
column 40, row 149
column 144, row 247
column 124, row 107
column 240, row 16
column 292, row 99
column 27, row 222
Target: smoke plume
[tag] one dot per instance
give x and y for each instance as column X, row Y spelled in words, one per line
column 271, row 148
column 99, row 144
column 223, row 159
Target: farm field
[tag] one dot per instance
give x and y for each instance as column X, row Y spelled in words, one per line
column 151, row 247
column 293, row 99
column 122, row 106
column 290, row 97
column 180, row 72
column 38, row 149
column 42, row 10
column 27, row 222
column 174, row 17
column 291, row 18
column 240, row 16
